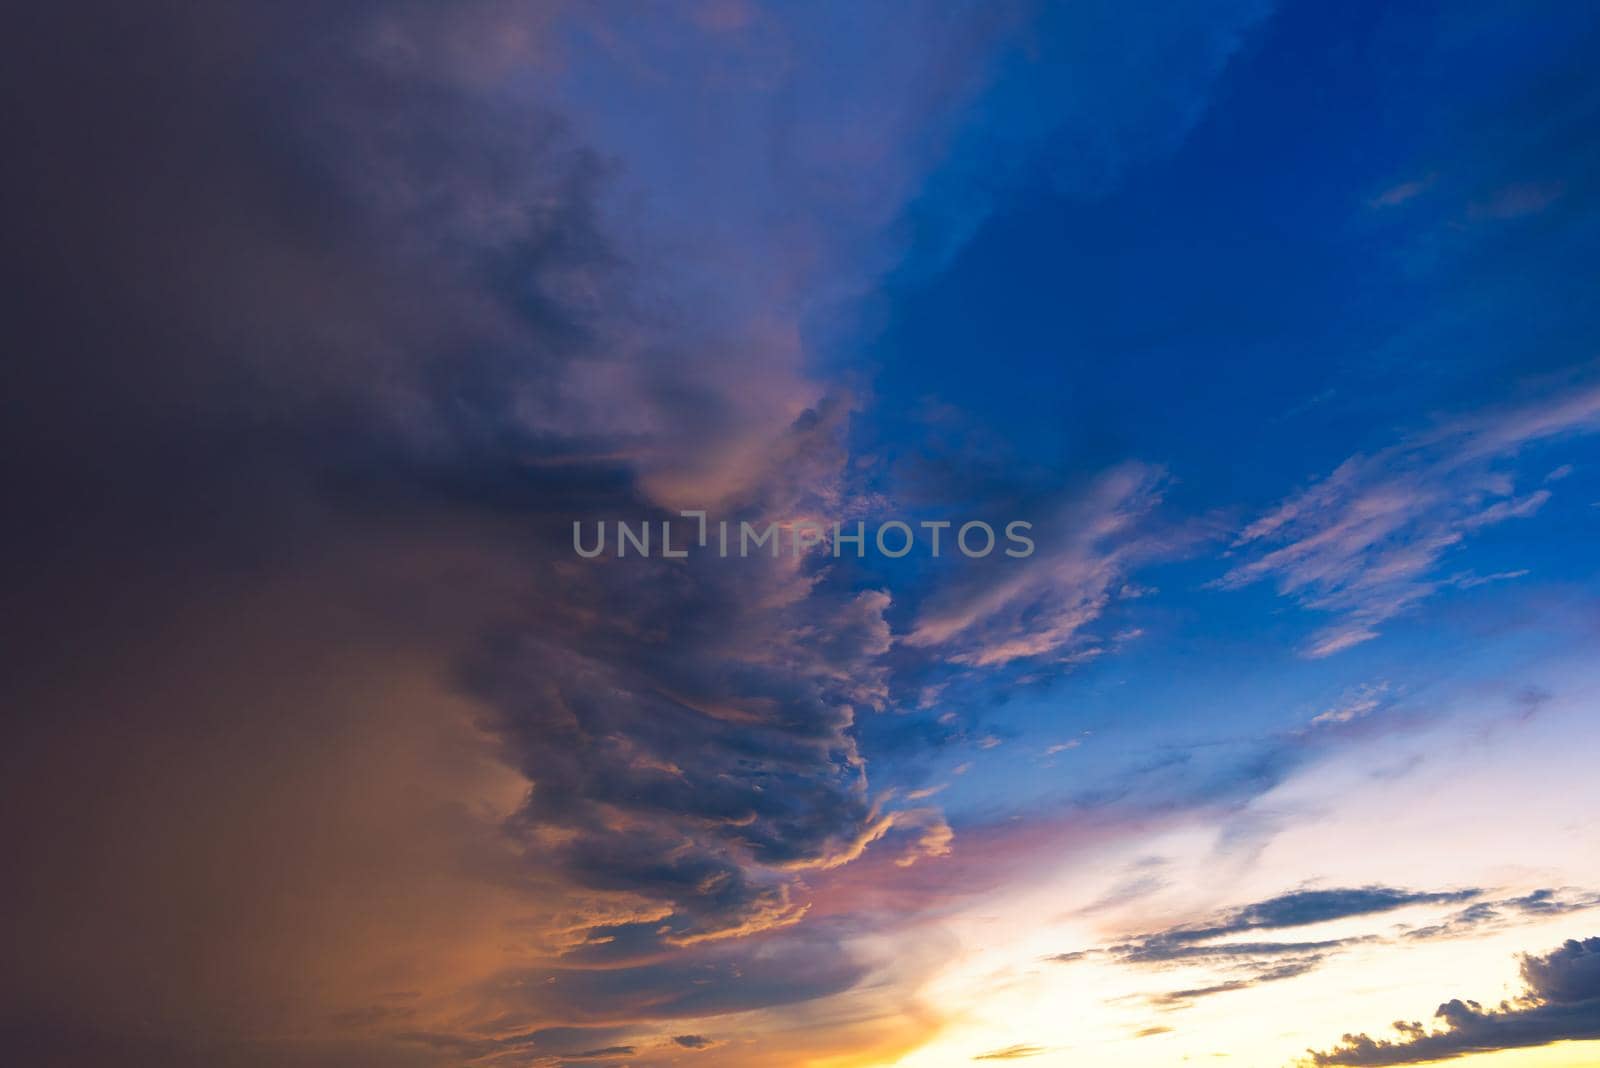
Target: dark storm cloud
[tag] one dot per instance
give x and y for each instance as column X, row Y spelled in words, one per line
column 288, row 284
column 1562, row 1003
column 324, row 340
column 723, row 745
column 72, row 1045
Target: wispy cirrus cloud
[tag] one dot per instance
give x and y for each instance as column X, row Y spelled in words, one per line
column 1356, row 704
column 1011, row 1053
column 1043, row 606
column 1365, row 543
column 1401, row 193
column 1488, row 915
column 1241, row 963
column 1251, row 963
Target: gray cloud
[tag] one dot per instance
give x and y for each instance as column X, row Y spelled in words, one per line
column 1561, row 1003
column 1482, row 914
column 386, row 307
column 1298, row 908
column 1249, row 963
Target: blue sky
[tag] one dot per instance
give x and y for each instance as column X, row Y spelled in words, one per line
column 1313, row 269
column 1274, row 319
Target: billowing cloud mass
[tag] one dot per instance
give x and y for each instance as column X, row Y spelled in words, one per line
column 460, row 357
column 1561, row 1003
column 341, row 317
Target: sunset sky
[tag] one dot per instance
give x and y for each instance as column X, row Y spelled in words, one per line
column 322, row 747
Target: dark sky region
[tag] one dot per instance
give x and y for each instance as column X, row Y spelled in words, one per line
column 320, row 746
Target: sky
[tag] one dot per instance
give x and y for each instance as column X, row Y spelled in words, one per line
column 335, row 332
